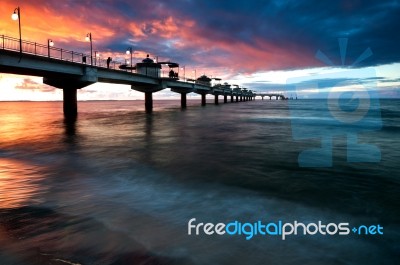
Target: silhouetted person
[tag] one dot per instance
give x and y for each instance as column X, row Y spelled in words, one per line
column 108, row 62
column 171, row 74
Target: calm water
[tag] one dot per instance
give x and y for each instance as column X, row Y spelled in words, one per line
column 118, row 186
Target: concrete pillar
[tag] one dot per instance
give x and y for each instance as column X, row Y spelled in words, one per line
column 241, row 98
column 148, row 98
column 262, row 98
column 270, row 98
column 225, row 98
column 183, row 100
column 231, row 98
column 203, row 99
column 70, row 104
column 216, row 99
column 237, row 98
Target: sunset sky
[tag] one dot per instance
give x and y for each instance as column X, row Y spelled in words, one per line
column 256, row 44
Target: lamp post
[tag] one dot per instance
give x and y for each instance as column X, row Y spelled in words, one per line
column 89, row 38
column 17, row 15
column 96, row 55
column 194, row 71
column 130, row 51
column 50, row 43
column 184, row 72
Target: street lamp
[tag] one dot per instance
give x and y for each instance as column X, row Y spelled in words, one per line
column 96, row 55
column 17, row 15
column 89, row 38
column 50, row 43
column 194, row 71
column 130, row 51
column 184, row 72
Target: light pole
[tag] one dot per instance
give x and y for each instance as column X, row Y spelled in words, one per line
column 184, row 72
column 17, row 15
column 89, row 38
column 96, row 55
column 130, row 51
column 50, row 43
column 194, row 71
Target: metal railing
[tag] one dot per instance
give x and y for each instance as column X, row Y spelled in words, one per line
column 34, row 48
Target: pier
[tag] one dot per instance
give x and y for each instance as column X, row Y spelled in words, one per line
column 70, row 71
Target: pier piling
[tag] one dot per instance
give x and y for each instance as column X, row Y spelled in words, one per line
column 70, row 102
column 183, row 100
column 148, row 97
column 203, row 99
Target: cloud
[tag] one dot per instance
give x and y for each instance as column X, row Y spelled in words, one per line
column 248, row 36
column 29, row 84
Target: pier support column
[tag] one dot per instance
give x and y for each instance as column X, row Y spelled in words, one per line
column 183, row 100
column 203, row 99
column 216, row 100
column 70, row 102
column 262, row 98
column 70, row 87
column 148, row 101
column 241, row 98
column 237, row 98
column 225, row 98
column 231, row 98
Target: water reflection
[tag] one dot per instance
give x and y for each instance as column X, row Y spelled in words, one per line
column 19, row 183
column 70, row 126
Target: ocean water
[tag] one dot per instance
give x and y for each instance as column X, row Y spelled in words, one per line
column 118, row 186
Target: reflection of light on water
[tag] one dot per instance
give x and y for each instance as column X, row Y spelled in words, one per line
column 18, row 183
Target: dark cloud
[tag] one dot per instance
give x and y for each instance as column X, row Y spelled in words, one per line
column 303, row 27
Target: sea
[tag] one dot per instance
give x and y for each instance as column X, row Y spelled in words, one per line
column 119, row 186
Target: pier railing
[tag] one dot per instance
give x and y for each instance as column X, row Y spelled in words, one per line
column 34, row 48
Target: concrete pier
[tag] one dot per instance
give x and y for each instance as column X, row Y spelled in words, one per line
column 71, row 75
column 216, row 99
